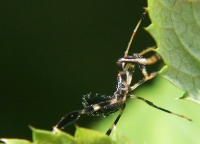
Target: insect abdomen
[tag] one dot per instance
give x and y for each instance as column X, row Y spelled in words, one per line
column 97, row 98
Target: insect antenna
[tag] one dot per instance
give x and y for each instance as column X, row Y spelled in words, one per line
column 134, row 32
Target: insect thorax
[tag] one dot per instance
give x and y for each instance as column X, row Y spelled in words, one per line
column 97, row 98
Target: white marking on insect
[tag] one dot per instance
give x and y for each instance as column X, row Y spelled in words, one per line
column 96, row 107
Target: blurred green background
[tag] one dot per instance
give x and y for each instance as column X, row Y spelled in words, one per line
column 53, row 52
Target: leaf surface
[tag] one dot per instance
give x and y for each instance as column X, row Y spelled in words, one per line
column 82, row 136
column 119, row 137
column 15, row 141
column 176, row 29
column 86, row 136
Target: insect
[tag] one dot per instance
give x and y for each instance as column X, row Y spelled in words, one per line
column 96, row 104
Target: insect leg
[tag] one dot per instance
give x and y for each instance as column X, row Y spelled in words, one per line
column 75, row 115
column 152, row 75
column 154, row 58
column 146, row 77
column 141, row 62
column 147, row 50
column 157, row 107
column 116, row 120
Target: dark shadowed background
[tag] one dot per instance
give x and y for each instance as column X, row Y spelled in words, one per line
column 53, row 52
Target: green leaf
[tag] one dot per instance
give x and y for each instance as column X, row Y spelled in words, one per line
column 82, row 136
column 86, row 136
column 176, row 29
column 43, row 137
column 15, row 141
column 119, row 137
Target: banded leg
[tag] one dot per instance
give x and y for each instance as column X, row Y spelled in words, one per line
column 144, row 72
column 157, row 107
column 116, row 120
column 75, row 115
column 150, row 76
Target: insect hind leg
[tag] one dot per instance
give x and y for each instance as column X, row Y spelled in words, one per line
column 157, row 107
